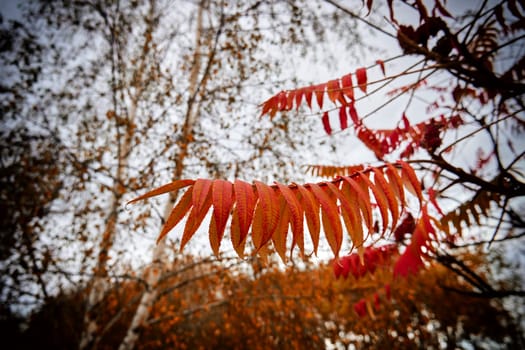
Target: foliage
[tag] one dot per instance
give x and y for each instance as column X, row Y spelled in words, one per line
column 101, row 99
column 286, row 308
column 469, row 56
column 280, row 206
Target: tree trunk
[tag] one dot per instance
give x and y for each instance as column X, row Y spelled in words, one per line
column 98, row 285
column 154, row 272
column 97, row 289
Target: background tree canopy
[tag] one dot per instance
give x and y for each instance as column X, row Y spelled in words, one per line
column 341, row 174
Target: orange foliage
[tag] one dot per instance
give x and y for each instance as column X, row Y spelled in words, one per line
column 264, row 306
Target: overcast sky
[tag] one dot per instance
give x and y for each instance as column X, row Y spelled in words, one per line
column 9, row 9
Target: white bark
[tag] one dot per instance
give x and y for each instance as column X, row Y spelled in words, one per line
column 99, row 283
column 153, row 274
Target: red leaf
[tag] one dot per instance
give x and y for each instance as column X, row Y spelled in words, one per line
column 283, row 101
column 380, row 199
column 177, row 213
column 298, row 98
column 201, row 200
column 353, row 115
column 432, row 197
column 319, row 92
column 410, row 179
column 326, row 123
column 270, row 105
column 406, row 122
column 296, row 212
column 357, row 268
column 334, row 90
column 389, row 194
column 289, row 100
column 382, row 66
column 361, row 198
column 238, row 242
column 360, row 73
column 338, row 267
column 427, row 225
column 395, row 182
column 406, row 226
column 173, row 186
column 347, row 85
column 222, row 199
column 308, row 96
column 266, row 215
column 350, row 214
column 330, row 217
column 243, row 213
column 279, row 236
column 311, row 209
column 360, row 308
column 343, row 117
column 408, row 263
column 377, row 304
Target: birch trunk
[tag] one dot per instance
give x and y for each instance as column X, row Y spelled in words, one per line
column 99, row 283
column 153, row 274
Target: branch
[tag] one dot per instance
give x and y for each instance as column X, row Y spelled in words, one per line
column 515, row 190
column 488, row 295
column 360, row 18
column 464, row 271
column 477, row 243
